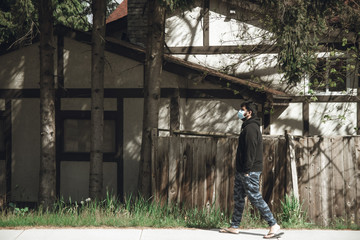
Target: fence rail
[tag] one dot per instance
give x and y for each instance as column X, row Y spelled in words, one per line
column 198, row 171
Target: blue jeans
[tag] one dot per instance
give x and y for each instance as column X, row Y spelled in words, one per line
column 249, row 186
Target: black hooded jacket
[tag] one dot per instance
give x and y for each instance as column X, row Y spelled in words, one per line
column 249, row 155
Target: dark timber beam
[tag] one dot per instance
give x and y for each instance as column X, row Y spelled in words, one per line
column 206, row 16
column 244, row 49
column 306, row 119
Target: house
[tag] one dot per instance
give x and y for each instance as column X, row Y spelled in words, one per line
column 200, row 47
column 228, row 36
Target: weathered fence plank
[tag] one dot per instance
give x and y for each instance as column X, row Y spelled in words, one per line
column 268, row 170
column 291, row 173
column 188, row 164
column 220, row 178
column 324, row 180
column 231, row 171
column 357, row 171
column 349, row 178
column 313, row 155
column 201, row 169
column 281, row 166
column 210, row 156
column 302, row 156
column 338, row 170
column 174, row 169
column 162, row 170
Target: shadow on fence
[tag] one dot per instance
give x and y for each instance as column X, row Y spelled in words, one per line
column 199, row 171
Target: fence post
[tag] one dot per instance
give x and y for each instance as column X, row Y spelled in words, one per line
column 291, row 159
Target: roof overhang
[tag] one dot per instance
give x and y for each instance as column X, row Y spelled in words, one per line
column 243, row 88
column 247, row 89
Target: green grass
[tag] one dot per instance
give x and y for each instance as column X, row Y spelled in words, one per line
column 139, row 212
column 111, row 212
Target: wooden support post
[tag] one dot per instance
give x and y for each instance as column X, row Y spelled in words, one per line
column 266, row 119
column 206, row 6
column 175, row 111
column 306, row 119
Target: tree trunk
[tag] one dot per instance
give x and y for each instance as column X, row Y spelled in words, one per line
column 152, row 79
column 97, row 99
column 47, row 181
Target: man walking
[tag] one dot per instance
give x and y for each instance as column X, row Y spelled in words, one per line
column 249, row 164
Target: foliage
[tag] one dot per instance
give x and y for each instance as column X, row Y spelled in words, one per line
column 17, row 21
column 19, row 18
column 298, row 25
column 72, row 13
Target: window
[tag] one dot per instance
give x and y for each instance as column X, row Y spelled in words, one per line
column 77, row 135
column 74, row 140
column 333, row 75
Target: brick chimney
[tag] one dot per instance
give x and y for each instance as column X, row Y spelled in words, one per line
column 137, row 21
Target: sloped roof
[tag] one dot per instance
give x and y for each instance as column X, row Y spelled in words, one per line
column 246, row 88
column 181, row 67
column 120, row 12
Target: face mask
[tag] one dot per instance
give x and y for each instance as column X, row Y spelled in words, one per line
column 241, row 114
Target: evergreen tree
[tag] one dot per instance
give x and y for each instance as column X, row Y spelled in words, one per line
column 153, row 69
column 19, row 19
column 47, row 179
column 97, row 99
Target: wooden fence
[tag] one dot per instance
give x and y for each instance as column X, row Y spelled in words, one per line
column 200, row 171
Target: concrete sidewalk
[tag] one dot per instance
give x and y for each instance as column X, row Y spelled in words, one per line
column 166, row 234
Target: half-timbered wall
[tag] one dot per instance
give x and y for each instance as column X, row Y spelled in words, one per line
column 19, row 89
column 227, row 36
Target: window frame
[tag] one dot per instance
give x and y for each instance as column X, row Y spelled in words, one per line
column 350, row 81
column 84, row 156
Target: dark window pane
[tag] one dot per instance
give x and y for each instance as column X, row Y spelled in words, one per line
column 318, row 79
column 337, row 75
column 77, row 135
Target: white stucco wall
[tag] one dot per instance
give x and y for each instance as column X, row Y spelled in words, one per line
column 209, row 115
column 77, row 64
column 20, row 69
column 25, row 150
column 332, row 119
column 290, row 119
column 326, row 119
column 226, row 31
column 120, row 72
column 133, row 114
column 186, row 29
column 133, row 119
column 74, row 180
